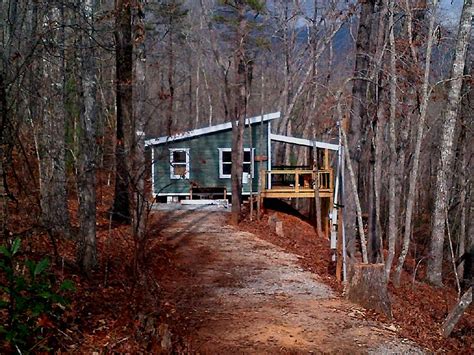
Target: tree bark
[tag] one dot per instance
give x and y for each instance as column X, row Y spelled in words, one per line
column 238, row 117
column 52, row 145
column 453, row 317
column 140, row 204
column 87, row 253
column 123, row 72
column 435, row 262
column 353, row 187
column 358, row 119
column 367, row 286
column 392, row 212
column 416, row 156
column 463, row 202
column 3, row 194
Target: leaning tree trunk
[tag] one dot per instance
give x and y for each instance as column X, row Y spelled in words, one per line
column 435, row 262
column 52, row 145
column 416, row 156
column 86, row 182
column 455, row 314
column 124, row 73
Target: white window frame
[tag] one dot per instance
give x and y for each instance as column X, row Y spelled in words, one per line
column 173, row 176
column 228, row 176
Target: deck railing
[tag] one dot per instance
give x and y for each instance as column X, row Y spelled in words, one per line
column 296, row 181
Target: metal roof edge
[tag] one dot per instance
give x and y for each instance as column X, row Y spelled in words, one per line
column 206, row 130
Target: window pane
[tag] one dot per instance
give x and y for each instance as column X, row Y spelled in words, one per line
column 246, row 168
column 179, row 156
column 226, row 169
column 179, row 170
column 247, row 157
column 227, row 157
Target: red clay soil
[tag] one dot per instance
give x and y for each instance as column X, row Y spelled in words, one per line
column 418, row 308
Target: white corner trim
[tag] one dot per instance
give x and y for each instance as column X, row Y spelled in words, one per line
column 269, row 154
column 153, row 171
column 211, row 129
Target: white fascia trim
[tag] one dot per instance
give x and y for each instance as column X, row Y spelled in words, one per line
column 211, row 129
column 172, row 194
column 187, row 194
column 302, row 141
column 172, row 175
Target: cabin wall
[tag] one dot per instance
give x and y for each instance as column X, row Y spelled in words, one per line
column 204, row 161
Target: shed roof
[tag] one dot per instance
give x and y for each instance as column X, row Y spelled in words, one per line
column 210, row 129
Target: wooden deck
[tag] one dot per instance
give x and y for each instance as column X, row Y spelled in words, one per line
column 296, row 183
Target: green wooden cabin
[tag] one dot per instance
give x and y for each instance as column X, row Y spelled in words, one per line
column 201, row 158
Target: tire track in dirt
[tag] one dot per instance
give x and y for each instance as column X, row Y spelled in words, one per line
column 235, row 293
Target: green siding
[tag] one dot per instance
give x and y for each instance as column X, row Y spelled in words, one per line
column 204, row 160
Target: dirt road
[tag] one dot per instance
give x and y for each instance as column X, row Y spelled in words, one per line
column 235, row 293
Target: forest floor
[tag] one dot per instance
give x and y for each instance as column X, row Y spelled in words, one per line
column 209, row 287
column 232, row 292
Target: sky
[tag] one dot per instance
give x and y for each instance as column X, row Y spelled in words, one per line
column 449, row 11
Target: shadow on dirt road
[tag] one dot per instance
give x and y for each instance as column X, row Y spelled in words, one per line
column 235, row 293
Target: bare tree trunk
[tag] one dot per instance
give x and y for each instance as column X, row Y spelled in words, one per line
column 123, row 73
column 353, row 187
column 358, row 117
column 464, row 176
column 375, row 98
column 3, row 193
column 453, row 317
column 54, row 207
column 209, row 100
column 435, row 262
column 170, row 111
column 87, row 253
column 392, row 212
column 463, row 202
column 4, row 47
column 197, row 102
column 238, row 117
column 416, row 156
column 138, row 137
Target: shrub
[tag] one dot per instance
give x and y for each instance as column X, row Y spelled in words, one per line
column 30, row 300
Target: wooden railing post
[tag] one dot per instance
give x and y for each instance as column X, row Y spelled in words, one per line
column 297, row 181
column 326, row 159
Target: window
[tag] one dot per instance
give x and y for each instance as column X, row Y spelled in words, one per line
column 179, row 163
column 225, row 162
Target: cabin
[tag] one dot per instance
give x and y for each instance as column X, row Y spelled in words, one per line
column 197, row 165
column 186, row 165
